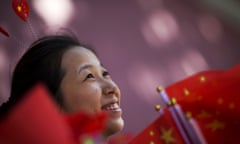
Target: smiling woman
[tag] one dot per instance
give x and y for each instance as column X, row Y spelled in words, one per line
column 73, row 75
column 87, row 86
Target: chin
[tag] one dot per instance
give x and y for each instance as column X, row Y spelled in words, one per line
column 113, row 126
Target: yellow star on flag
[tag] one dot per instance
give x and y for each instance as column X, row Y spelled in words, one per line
column 151, row 133
column 19, row 8
column 167, row 136
column 203, row 114
column 215, row 125
column 151, row 142
column 186, row 92
column 202, row 79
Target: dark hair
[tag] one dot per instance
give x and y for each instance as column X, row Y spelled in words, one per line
column 41, row 64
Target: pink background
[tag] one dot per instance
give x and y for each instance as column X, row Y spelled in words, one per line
column 143, row 44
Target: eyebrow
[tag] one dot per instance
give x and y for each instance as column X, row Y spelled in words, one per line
column 87, row 66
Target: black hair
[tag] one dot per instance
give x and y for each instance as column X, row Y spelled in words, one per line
column 41, row 64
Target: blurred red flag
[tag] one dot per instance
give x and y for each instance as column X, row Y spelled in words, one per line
column 21, row 8
column 35, row 120
column 85, row 124
column 210, row 98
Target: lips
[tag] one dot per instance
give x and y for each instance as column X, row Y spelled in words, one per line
column 112, row 106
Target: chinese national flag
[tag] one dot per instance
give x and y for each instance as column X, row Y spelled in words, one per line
column 162, row 131
column 210, row 98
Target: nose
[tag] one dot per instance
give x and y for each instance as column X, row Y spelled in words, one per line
column 110, row 88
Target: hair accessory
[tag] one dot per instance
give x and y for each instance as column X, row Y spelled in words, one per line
column 21, row 8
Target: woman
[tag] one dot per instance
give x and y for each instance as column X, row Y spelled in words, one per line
column 73, row 75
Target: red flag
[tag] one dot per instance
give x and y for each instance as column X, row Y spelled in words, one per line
column 35, row 120
column 162, row 131
column 84, row 124
column 212, row 98
column 21, row 8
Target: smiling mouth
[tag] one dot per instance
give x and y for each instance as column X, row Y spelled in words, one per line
column 114, row 106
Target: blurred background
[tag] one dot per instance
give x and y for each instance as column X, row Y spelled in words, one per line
column 142, row 43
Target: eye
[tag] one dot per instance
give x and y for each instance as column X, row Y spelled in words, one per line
column 105, row 74
column 89, row 76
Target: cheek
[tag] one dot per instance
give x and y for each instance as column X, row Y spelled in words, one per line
column 90, row 90
column 87, row 98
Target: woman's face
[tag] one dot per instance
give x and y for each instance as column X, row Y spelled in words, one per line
column 87, row 86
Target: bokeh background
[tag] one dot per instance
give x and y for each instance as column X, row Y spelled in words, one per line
column 143, row 43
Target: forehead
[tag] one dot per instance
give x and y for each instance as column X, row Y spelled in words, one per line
column 79, row 55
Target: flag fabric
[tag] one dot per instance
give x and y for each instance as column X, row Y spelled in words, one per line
column 212, row 98
column 86, row 125
column 162, row 131
column 21, row 8
column 208, row 101
column 36, row 119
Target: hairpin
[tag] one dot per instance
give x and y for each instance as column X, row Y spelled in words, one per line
column 21, row 8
